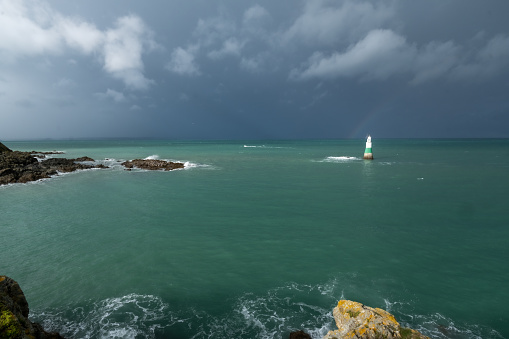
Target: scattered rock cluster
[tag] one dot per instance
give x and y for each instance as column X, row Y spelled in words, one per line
column 22, row 167
column 14, row 323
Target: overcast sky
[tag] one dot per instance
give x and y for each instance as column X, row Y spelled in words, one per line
column 230, row 69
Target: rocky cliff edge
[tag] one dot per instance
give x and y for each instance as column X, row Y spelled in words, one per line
column 14, row 323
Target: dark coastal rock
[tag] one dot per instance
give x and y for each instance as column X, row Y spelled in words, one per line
column 22, row 167
column 84, row 159
column 14, row 323
column 299, row 335
column 16, row 159
column 63, row 165
column 153, row 164
column 19, row 167
column 4, row 148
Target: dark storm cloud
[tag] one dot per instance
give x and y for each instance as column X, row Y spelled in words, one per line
column 289, row 69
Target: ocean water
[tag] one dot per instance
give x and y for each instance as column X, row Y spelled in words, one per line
column 255, row 239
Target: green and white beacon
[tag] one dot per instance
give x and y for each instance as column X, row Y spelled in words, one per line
column 368, row 153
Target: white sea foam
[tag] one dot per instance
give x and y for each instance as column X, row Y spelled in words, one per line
column 191, row 165
column 129, row 316
column 275, row 314
column 111, row 163
column 264, row 146
column 436, row 325
column 340, row 159
column 272, row 314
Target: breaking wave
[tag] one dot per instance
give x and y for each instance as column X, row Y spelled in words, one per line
column 125, row 317
column 152, row 157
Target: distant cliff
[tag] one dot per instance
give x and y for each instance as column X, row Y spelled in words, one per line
column 14, row 323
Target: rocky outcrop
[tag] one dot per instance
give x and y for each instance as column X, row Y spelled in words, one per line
column 153, row 164
column 64, row 165
column 22, row 167
column 14, row 323
column 354, row 320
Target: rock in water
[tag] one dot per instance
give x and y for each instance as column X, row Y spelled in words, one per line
column 354, row 320
column 153, row 164
column 14, row 323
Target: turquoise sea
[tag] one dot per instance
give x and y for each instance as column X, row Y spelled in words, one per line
column 255, row 239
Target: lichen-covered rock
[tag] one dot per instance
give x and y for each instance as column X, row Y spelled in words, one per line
column 153, row 164
column 14, row 323
column 355, row 320
column 9, row 325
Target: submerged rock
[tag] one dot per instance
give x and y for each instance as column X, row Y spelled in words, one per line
column 14, row 311
column 153, row 164
column 299, row 335
column 354, row 320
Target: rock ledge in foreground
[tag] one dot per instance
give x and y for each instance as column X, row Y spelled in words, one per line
column 354, row 320
column 14, row 323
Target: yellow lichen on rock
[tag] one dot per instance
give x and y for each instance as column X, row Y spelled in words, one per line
column 355, row 320
column 9, row 325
